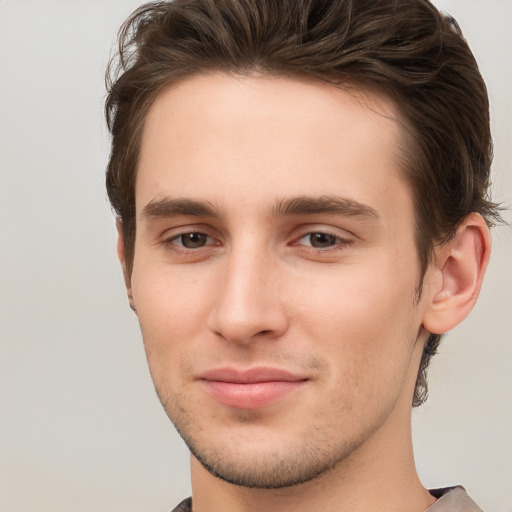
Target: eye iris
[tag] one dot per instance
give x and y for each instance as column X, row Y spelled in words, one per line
column 193, row 240
column 322, row 240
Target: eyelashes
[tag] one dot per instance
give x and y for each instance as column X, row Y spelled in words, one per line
column 322, row 240
column 192, row 240
column 190, row 244
column 198, row 243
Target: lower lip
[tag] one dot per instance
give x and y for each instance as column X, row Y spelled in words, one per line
column 251, row 395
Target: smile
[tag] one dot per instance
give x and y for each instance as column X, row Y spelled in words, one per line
column 251, row 389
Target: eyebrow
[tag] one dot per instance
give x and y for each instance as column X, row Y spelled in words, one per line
column 299, row 205
column 304, row 205
column 168, row 207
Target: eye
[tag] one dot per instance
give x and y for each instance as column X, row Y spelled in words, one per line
column 190, row 246
column 320, row 240
column 193, row 240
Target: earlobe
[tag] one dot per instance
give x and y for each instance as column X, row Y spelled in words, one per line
column 122, row 259
column 458, row 273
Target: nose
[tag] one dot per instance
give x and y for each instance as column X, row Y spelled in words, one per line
column 249, row 302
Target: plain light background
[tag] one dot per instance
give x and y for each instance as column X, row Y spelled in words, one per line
column 80, row 426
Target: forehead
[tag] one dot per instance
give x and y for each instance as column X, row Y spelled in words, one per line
column 265, row 137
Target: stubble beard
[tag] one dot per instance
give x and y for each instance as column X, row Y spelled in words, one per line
column 304, row 460
column 274, row 472
column 306, row 457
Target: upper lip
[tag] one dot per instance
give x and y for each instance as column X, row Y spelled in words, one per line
column 251, row 375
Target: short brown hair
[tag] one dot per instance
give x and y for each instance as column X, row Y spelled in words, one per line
column 404, row 48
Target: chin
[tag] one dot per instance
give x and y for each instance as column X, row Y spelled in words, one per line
column 265, row 472
column 260, row 465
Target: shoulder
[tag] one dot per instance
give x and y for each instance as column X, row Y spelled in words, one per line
column 184, row 506
column 453, row 499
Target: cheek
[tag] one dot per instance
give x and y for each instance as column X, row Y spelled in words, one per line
column 359, row 298
column 171, row 310
column 365, row 326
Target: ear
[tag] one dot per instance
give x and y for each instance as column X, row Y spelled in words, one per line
column 456, row 275
column 122, row 259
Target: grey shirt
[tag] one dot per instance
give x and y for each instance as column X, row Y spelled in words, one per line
column 451, row 499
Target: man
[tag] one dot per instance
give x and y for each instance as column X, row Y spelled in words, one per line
column 301, row 190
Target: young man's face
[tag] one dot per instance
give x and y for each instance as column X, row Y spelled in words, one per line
column 275, row 275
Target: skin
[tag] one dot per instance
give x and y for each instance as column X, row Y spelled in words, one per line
column 229, row 271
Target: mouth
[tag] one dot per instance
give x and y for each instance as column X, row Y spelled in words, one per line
column 254, row 388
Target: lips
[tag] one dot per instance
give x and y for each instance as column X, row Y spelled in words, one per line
column 254, row 388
